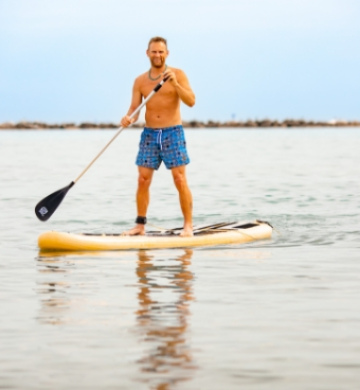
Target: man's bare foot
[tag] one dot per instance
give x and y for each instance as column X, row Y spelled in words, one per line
column 187, row 232
column 138, row 230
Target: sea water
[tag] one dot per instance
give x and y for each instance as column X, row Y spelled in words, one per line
column 275, row 314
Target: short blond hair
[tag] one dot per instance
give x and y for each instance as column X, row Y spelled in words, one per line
column 157, row 39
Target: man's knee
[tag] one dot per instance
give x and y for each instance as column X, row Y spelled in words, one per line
column 144, row 181
column 180, row 180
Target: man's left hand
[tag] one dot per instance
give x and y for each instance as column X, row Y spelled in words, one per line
column 171, row 77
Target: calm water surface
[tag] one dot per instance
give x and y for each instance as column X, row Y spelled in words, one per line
column 277, row 314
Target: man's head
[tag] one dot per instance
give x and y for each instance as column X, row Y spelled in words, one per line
column 157, row 51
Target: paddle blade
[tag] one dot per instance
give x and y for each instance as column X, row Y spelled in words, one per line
column 46, row 207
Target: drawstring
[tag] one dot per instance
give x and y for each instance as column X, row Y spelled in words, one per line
column 158, row 140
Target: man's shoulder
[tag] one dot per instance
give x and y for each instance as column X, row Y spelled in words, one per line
column 140, row 81
column 141, row 78
column 176, row 70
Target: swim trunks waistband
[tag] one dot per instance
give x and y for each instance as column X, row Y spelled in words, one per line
column 177, row 127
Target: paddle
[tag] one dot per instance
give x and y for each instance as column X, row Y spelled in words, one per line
column 46, row 207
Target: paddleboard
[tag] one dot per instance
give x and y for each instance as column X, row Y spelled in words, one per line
column 218, row 234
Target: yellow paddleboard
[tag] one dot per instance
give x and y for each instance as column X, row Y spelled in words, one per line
column 219, row 234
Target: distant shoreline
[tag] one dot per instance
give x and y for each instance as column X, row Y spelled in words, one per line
column 265, row 123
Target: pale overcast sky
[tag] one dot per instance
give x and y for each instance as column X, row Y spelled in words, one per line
column 76, row 60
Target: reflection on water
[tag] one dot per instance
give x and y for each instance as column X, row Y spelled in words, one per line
column 54, row 301
column 162, row 290
column 165, row 292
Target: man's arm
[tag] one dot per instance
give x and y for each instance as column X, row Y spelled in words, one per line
column 135, row 102
column 181, row 83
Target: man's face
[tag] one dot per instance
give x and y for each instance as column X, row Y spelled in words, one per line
column 157, row 54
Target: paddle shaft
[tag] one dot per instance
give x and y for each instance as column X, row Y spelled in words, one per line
column 151, row 94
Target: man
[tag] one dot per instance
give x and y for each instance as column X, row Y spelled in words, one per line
column 163, row 136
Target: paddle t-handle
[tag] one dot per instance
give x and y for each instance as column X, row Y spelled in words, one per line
column 47, row 206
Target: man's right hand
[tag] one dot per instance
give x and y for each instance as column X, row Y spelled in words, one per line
column 126, row 121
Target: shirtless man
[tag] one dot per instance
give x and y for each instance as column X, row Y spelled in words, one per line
column 163, row 137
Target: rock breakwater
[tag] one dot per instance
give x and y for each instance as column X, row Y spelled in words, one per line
column 264, row 123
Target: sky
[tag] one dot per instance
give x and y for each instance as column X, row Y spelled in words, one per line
column 76, row 60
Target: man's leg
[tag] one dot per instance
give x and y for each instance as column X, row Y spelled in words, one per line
column 179, row 176
column 142, row 199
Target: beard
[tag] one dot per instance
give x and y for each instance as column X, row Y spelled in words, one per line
column 157, row 62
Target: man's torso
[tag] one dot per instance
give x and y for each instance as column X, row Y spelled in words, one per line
column 163, row 110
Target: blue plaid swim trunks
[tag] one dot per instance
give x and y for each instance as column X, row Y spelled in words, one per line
column 166, row 144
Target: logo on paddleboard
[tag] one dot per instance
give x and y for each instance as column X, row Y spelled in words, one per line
column 43, row 211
